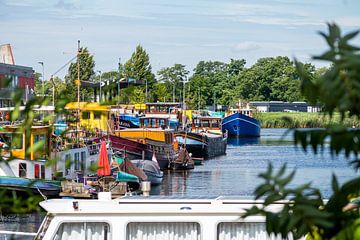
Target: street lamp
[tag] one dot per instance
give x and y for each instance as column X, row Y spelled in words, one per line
column 100, row 86
column 184, row 104
column 43, row 89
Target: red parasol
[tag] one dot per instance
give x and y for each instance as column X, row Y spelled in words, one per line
column 103, row 162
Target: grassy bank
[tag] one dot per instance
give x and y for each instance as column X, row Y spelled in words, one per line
column 301, row 120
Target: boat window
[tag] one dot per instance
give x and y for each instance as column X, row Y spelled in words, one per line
column 67, row 164
column 85, row 115
column 5, row 140
column 97, row 115
column 197, row 122
column 163, row 230
column 243, row 230
column 36, row 171
column 205, row 123
column 22, row 170
column 16, row 141
column 214, row 123
column 42, row 171
column 83, row 159
column 83, row 231
column 41, row 137
column 235, row 127
column 77, row 161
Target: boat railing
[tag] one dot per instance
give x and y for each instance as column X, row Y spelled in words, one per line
column 10, row 123
column 16, row 235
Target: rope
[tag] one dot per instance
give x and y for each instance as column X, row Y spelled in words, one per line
column 45, row 198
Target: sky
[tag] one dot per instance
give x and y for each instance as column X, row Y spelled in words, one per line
column 171, row 31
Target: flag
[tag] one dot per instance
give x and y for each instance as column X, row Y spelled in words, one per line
column 154, row 158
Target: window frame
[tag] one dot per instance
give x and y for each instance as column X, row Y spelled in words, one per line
column 59, row 223
column 21, row 169
column 199, row 225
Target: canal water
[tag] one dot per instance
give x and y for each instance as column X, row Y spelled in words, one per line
column 236, row 173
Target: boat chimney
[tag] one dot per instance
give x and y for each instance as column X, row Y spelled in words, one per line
column 145, row 188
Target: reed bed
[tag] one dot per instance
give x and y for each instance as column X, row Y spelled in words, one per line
column 302, row 120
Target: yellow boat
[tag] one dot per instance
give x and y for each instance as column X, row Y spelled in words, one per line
column 28, row 149
column 91, row 115
column 154, row 133
column 21, row 142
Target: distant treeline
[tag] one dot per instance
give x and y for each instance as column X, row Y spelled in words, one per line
column 302, row 120
column 210, row 82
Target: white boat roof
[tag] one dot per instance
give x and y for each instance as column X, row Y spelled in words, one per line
column 36, row 108
column 152, row 205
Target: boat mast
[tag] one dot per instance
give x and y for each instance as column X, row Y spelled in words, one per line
column 78, row 75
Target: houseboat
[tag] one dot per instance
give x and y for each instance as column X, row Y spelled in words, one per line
column 89, row 115
column 138, row 218
column 204, row 138
column 155, row 132
column 240, row 123
column 26, row 153
column 170, row 110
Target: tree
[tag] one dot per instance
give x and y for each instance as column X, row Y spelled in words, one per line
column 138, row 66
column 173, row 78
column 271, row 79
column 338, row 89
column 216, row 82
column 87, row 65
column 161, row 92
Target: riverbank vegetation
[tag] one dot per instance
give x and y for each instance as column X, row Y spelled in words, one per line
column 303, row 120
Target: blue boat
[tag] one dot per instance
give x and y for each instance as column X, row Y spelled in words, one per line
column 35, row 186
column 241, row 125
column 128, row 121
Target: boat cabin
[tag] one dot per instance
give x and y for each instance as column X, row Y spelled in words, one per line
column 15, row 142
column 72, row 162
column 154, row 122
column 163, row 108
column 91, row 115
column 245, row 111
column 205, row 123
column 26, row 169
column 28, row 156
column 138, row 218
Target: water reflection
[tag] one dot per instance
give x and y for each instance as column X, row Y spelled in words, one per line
column 243, row 141
column 175, row 182
column 236, row 173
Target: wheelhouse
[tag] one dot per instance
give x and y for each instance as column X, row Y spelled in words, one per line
column 139, row 218
column 154, row 122
column 206, row 123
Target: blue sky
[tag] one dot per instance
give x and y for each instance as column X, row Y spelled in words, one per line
column 175, row 31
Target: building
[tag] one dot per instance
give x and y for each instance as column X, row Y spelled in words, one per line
column 279, row 106
column 15, row 77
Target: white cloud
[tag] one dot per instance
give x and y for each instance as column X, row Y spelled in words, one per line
column 246, row 47
column 348, row 21
column 282, row 21
column 276, row 14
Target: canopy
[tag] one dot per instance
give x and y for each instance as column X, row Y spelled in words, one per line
column 103, row 162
